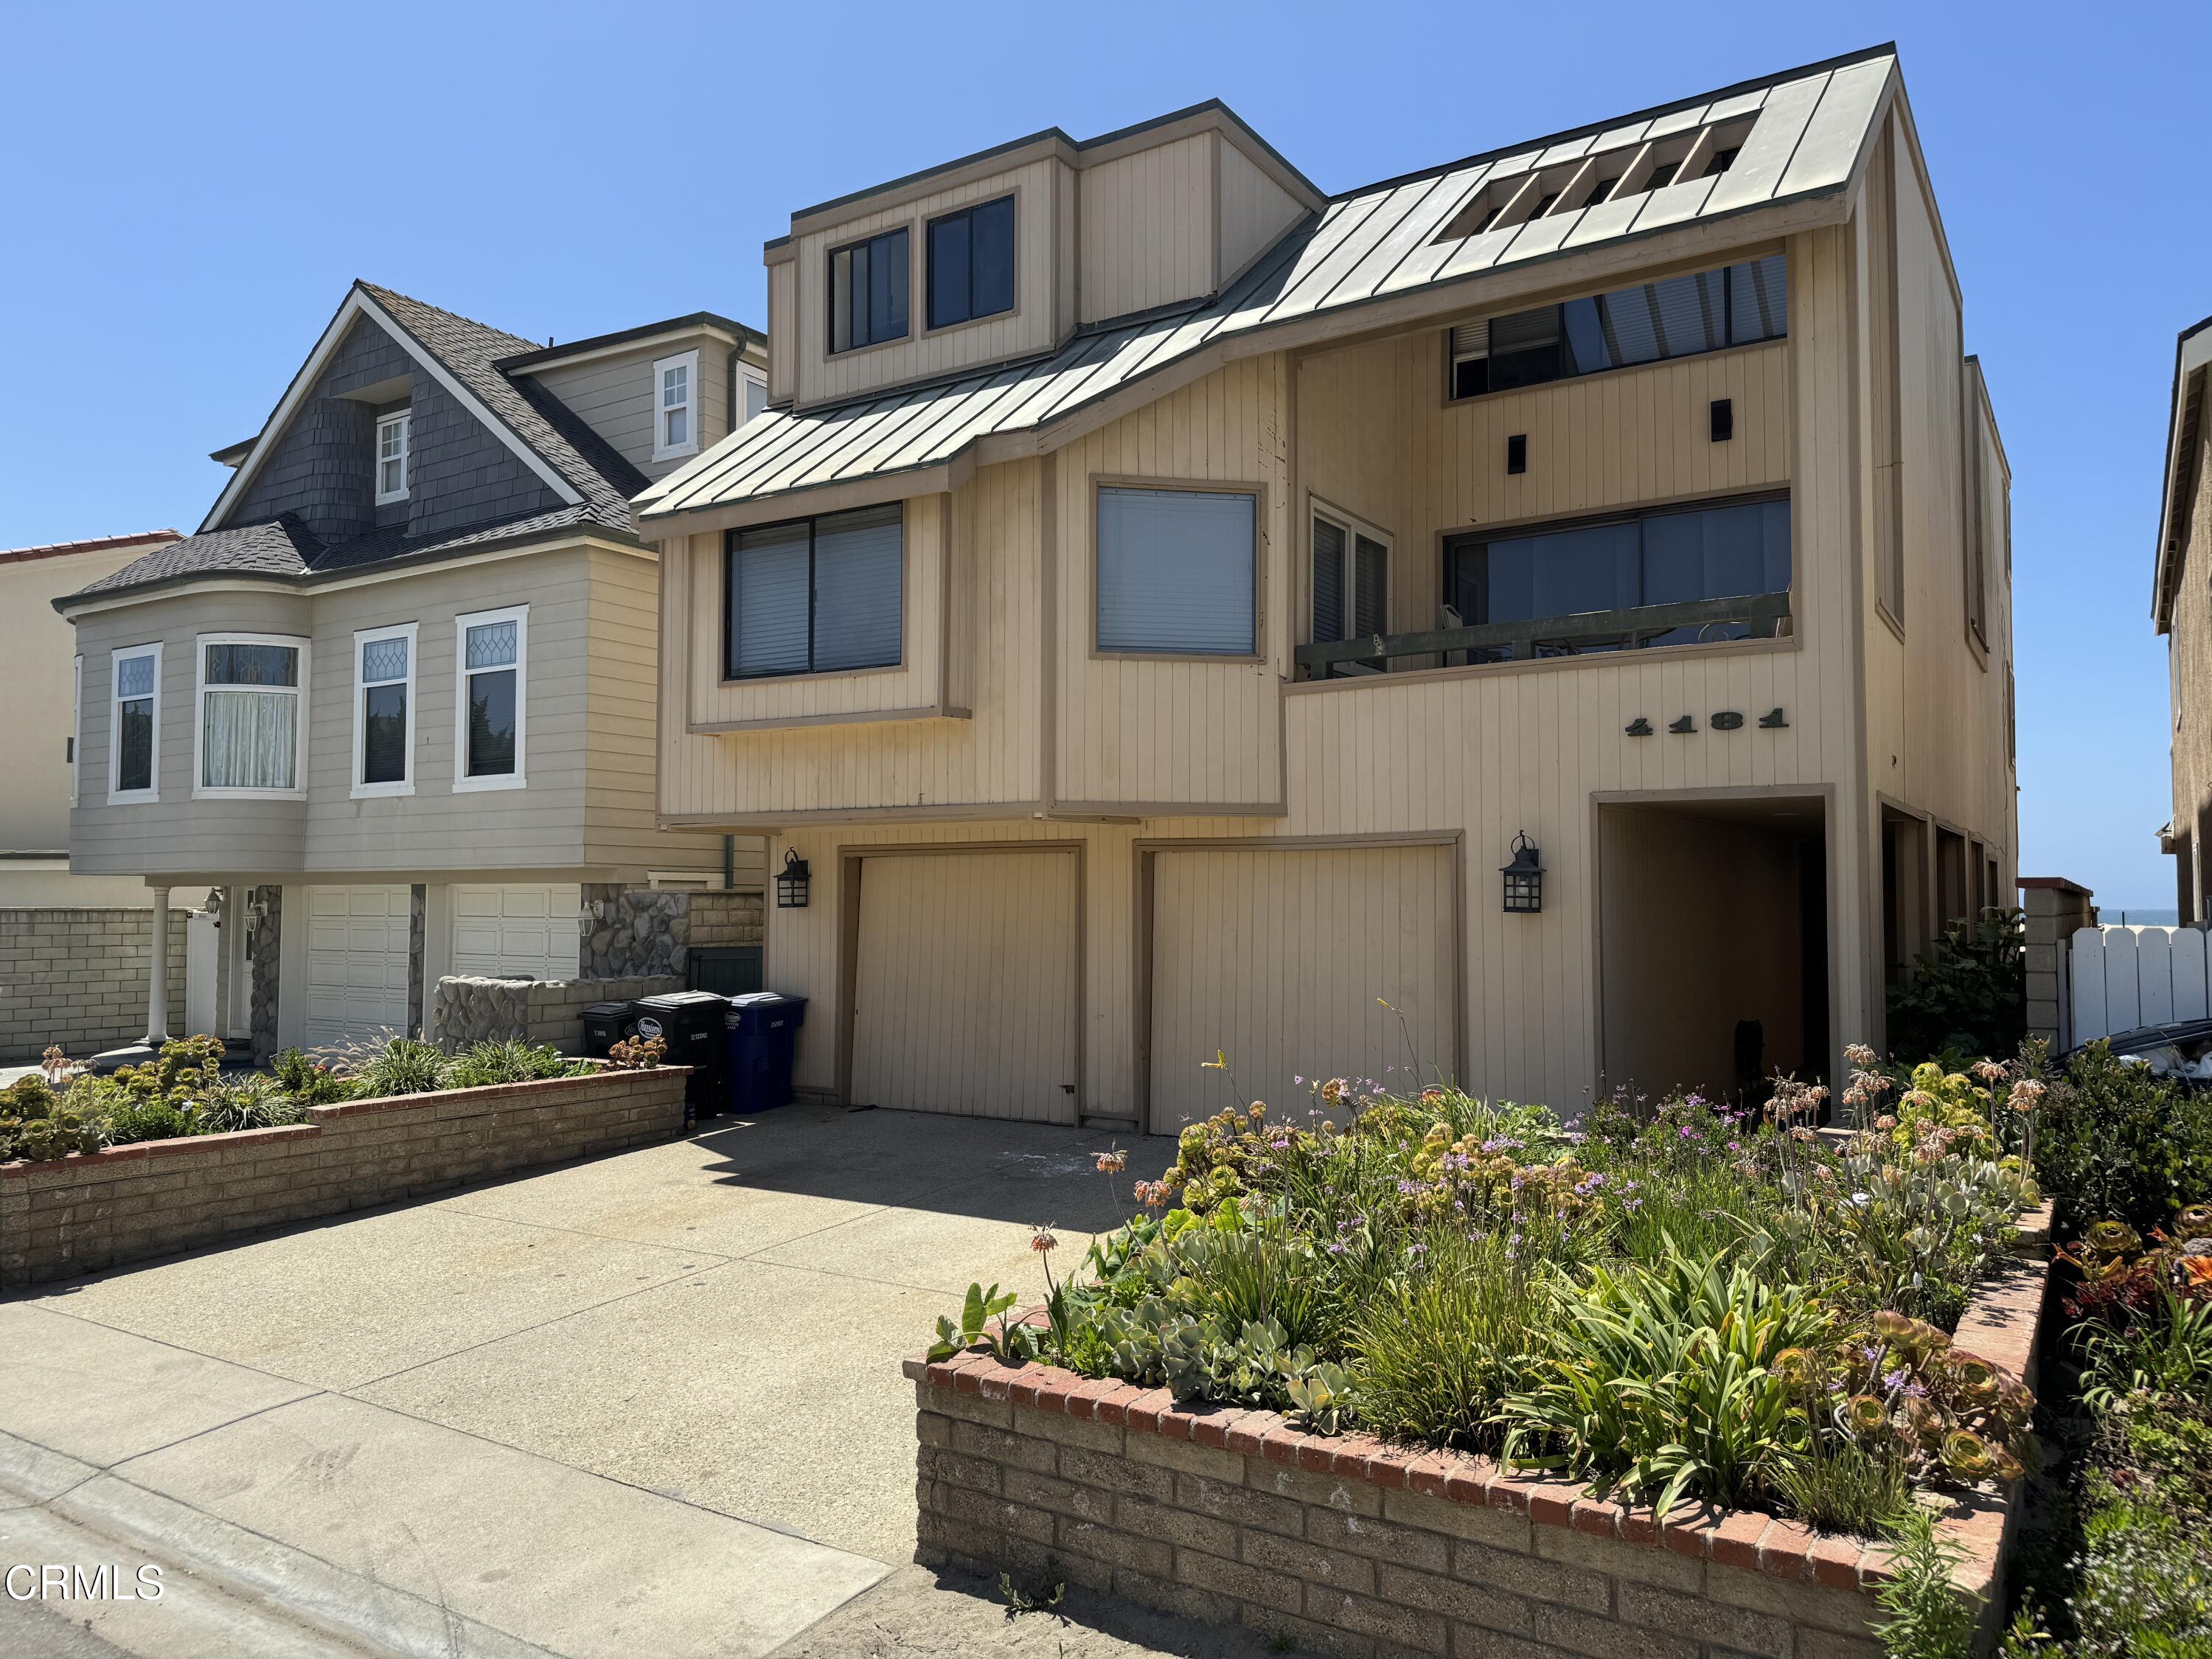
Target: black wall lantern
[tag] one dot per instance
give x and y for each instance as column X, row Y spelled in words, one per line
column 1524, row 878
column 791, row 883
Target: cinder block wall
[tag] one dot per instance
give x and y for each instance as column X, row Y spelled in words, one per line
column 78, row 978
column 723, row 919
column 79, row 1214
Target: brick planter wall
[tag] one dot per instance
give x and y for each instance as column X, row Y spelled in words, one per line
column 81, row 1214
column 1353, row 1546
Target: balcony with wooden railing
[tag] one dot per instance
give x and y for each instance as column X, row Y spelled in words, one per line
column 1591, row 632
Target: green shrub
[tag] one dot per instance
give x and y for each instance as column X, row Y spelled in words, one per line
column 1434, row 1358
column 311, row 1082
column 507, row 1061
column 1928, row 1616
column 2115, row 1142
column 130, row 1119
column 1969, row 993
column 255, row 1102
column 404, row 1066
column 1660, row 1380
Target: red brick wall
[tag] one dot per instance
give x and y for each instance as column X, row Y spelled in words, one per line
column 78, row 1214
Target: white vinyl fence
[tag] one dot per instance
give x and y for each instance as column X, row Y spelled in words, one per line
column 2124, row 977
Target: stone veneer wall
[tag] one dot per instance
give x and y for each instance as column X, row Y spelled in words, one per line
column 643, row 932
column 264, row 964
column 81, row 1213
column 467, row 1009
column 78, row 977
column 1352, row 1545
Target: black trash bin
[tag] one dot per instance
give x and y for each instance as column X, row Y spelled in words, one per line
column 690, row 1024
column 764, row 1030
column 606, row 1023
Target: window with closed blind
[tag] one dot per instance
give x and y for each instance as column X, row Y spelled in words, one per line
column 1177, row 572
column 1350, row 582
column 1704, row 311
column 815, row 596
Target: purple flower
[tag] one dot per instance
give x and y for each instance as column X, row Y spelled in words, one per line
column 1896, row 1379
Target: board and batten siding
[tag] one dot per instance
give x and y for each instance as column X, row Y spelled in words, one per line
column 1255, row 212
column 616, row 397
column 1147, row 235
column 1482, row 754
column 988, row 644
column 1952, row 768
column 1299, row 964
column 964, row 992
column 1042, row 190
column 176, row 833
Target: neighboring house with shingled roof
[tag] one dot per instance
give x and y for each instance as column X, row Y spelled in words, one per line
column 393, row 697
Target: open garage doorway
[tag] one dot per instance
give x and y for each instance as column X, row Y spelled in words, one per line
column 1713, row 944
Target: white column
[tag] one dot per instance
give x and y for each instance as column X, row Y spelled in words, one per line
column 157, row 977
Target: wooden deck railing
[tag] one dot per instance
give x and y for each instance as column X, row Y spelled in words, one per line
column 1760, row 614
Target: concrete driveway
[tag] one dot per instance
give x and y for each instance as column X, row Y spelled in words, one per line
column 645, row 1405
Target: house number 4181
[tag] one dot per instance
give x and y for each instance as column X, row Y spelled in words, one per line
column 1725, row 719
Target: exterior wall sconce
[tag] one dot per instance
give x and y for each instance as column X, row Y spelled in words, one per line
column 1524, row 878
column 790, row 882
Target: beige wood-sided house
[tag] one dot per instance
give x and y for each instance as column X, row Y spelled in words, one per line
column 395, row 697
column 1161, row 597
column 2181, row 609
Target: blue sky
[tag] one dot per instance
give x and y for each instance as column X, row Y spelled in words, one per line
column 189, row 189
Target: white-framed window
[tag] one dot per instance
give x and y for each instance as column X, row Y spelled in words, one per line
column 492, row 650
column 134, row 725
column 752, row 390
column 394, row 452
column 76, row 724
column 249, row 733
column 384, row 711
column 1351, row 578
column 676, row 406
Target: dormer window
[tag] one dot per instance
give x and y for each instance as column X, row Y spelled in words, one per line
column 971, row 263
column 868, row 283
column 393, row 436
column 675, row 416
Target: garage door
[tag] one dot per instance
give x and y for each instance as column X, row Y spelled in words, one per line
column 964, row 985
column 358, row 954
column 518, row 931
column 1281, row 960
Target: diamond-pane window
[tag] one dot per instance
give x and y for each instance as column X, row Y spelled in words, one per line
column 383, row 659
column 491, row 645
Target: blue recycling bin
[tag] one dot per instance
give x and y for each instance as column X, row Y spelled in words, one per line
column 763, row 1033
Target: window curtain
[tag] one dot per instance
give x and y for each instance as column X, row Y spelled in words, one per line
column 249, row 740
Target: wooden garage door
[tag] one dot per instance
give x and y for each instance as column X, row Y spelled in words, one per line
column 357, row 956
column 964, row 984
column 1278, row 959
column 520, row 930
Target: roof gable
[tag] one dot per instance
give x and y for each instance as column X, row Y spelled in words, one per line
column 459, row 356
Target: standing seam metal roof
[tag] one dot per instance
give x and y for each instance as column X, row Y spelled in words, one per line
column 1369, row 245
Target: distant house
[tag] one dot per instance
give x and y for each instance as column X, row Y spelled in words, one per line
column 38, row 740
column 394, row 698
column 1169, row 609
column 2181, row 609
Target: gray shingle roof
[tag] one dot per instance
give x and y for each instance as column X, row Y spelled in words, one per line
column 469, row 352
column 1806, row 129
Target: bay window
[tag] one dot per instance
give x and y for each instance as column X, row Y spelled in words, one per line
column 134, row 721
column 384, row 711
column 816, row 596
column 250, row 738
column 493, row 647
column 1178, row 572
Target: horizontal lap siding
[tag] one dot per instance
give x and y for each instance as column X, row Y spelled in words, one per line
column 615, row 397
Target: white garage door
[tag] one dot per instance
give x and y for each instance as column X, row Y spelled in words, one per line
column 357, row 953
column 1282, row 961
column 521, row 931
column 964, row 985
